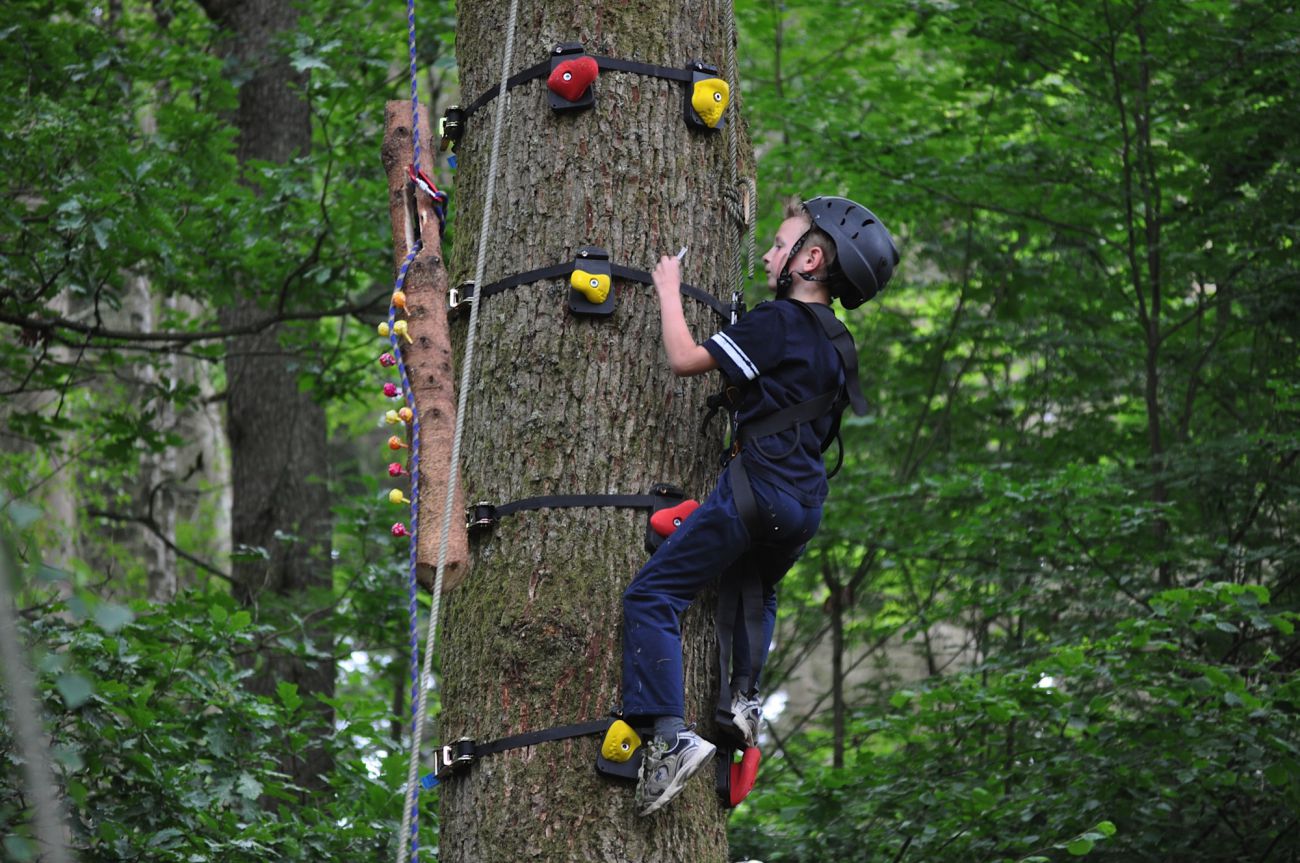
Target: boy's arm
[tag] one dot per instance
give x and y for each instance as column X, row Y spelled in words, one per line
column 685, row 357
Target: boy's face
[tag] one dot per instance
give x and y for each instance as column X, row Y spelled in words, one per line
column 786, row 236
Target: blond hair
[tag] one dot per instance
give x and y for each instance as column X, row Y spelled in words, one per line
column 794, row 209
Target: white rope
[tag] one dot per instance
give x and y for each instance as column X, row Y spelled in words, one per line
column 744, row 213
column 453, row 474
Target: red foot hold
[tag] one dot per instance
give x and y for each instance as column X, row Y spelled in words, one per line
column 744, row 774
column 571, row 78
column 665, row 521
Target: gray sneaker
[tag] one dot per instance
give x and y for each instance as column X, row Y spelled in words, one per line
column 665, row 769
column 746, row 715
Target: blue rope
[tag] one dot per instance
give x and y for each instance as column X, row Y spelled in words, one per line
column 413, row 792
column 415, row 94
column 412, row 586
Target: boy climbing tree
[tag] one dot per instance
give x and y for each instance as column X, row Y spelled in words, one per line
column 789, row 374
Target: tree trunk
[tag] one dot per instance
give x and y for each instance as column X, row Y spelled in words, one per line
column 280, row 500
column 566, row 405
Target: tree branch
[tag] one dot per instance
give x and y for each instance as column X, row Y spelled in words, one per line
column 52, row 325
column 152, row 526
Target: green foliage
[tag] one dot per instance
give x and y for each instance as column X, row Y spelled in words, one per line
column 1081, row 462
column 1143, row 736
column 164, row 754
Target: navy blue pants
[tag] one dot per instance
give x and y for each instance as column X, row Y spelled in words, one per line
column 711, row 542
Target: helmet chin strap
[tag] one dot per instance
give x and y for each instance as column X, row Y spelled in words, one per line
column 785, row 281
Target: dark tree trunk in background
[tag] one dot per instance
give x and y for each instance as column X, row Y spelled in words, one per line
column 566, row 405
column 277, row 434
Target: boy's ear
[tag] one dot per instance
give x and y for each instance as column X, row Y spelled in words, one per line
column 816, row 257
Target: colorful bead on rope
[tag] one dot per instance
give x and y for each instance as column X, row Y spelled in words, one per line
column 387, row 360
column 396, row 496
column 399, row 329
column 399, row 300
column 399, row 529
column 391, row 390
column 395, row 443
column 395, row 469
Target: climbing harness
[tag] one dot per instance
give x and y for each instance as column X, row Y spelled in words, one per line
column 739, row 595
column 593, row 261
column 571, row 74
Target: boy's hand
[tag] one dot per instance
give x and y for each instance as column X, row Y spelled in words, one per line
column 668, row 276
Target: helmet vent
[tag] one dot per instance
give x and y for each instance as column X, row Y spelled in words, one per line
column 868, row 222
column 855, row 235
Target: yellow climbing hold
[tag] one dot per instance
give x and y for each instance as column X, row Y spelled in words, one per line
column 593, row 286
column 620, row 742
column 709, row 98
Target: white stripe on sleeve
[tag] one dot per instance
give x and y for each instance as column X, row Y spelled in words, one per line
column 737, row 356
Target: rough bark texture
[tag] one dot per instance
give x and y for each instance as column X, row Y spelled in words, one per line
column 280, row 499
column 428, row 356
column 561, row 404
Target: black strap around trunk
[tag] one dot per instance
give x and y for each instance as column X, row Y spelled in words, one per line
column 456, row 757
column 560, row 501
column 556, row 271
column 612, row 64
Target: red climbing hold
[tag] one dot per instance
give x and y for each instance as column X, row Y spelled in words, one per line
column 571, row 78
column 665, row 521
column 744, row 774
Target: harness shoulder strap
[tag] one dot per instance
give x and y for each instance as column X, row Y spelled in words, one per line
column 842, row 340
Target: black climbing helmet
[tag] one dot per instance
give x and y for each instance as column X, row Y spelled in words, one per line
column 865, row 252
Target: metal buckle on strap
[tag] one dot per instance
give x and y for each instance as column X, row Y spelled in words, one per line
column 452, row 127
column 453, row 757
column 480, row 517
column 456, row 297
column 464, row 752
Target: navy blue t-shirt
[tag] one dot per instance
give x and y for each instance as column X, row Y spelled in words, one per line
column 779, row 356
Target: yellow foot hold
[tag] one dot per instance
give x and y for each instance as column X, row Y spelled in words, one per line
column 709, row 98
column 620, row 742
column 593, row 286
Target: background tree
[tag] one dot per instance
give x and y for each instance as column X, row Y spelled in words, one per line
column 277, row 430
column 562, row 405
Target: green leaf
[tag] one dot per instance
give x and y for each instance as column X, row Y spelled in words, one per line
column 218, row 614
column 75, row 689
column 900, row 698
column 111, row 617
column 248, row 787
column 1105, row 828
column 1080, row 846
column 23, row 515
column 19, row 849
column 289, row 696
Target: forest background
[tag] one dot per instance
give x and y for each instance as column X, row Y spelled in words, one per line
column 1052, row 608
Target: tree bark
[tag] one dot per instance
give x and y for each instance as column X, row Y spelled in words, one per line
column 280, row 500
column 566, row 405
